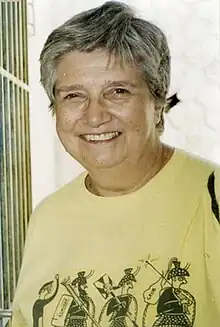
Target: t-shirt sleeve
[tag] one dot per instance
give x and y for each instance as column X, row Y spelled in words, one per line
column 17, row 317
column 217, row 185
column 213, row 249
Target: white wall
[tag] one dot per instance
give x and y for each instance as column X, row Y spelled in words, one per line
column 41, row 123
column 192, row 30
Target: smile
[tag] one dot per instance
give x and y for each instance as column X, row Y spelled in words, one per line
column 100, row 137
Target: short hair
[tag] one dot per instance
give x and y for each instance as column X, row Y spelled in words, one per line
column 115, row 27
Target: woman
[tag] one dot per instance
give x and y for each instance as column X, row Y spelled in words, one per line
column 107, row 73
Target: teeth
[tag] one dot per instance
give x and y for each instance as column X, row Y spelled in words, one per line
column 100, row 137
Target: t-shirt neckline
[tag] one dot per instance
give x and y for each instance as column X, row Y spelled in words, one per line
column 156, row 185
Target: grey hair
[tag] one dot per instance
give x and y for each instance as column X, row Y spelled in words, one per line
column 115, row 27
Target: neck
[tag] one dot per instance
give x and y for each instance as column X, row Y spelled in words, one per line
column 129, row 177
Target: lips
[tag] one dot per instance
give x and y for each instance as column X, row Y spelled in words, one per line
column 100, row 137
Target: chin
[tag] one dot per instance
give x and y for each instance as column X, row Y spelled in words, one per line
column 92, row 161
column 102, row 163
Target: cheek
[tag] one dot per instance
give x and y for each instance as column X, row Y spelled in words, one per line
column 142, row 123
column 133, row 116
column 141, row 120
column 65, row 122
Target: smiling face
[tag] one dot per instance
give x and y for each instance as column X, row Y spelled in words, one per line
column 105, row 114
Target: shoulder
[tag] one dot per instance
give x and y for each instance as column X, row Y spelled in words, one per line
column 73, row 189
column 68, row 195
column 54, row 207
column 211, row 172
column 197, row 167
column 208, row 173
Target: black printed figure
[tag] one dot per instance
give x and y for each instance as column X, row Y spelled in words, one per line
column 81, row 283
column 121, row 309
column 46, row 295
column 76, row 308
column 175, row 306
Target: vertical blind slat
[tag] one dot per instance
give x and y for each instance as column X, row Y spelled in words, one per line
column 15, row 173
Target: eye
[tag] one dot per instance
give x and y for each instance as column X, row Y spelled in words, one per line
column 118, row 94
column 75, row 97
column 120, row 90
column 70, row 96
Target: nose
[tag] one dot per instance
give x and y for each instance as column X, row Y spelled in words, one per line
column 97, row 113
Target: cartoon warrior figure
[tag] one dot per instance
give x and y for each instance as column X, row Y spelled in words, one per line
column 46, row 295
column 175, row 306
column 76, row 308
column 121, row 309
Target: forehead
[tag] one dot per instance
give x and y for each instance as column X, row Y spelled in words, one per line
column 96, row 65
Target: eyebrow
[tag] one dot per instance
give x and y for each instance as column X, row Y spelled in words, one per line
column 122, row 83
column 68, row 88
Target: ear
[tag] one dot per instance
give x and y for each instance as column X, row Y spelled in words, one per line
column 158, row 113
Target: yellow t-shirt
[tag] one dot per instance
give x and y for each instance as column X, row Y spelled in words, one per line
column 150, row 258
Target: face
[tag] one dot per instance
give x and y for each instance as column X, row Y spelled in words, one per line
column 130, row 284
column 105, row 115
column 179, row 281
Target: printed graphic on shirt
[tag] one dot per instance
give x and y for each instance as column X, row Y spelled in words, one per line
column 75, row 308
column 121, row 307
column 45, row 295
column 214, row 202
column 164, row 300
column 174, row 306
